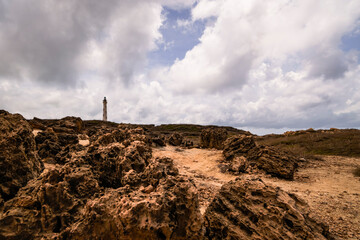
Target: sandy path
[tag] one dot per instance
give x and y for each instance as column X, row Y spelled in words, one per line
column 200, row 165
column 329, row 187
column 332, row 192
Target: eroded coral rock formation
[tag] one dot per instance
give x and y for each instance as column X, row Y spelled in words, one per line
column 175, row 139
column 213, row 138
column 159, row 205
column 247, row 208
column 241, row 152
column 64, row 125
column 114, row 190
column 19, row 161
column 55, row 146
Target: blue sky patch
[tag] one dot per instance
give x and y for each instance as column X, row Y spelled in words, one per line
column 180, row 35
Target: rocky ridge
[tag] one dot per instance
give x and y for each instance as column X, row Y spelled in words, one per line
column 115, row 189
column 19, row 161
column 247, row 208
column 242, row 154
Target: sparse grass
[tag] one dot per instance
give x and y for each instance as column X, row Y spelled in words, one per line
column 356, row 172
column 342, row 142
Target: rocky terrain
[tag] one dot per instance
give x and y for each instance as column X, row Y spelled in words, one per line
column 74, row 179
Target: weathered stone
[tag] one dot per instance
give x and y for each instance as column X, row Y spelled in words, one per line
column 213, row 138
column 240, row 152
column 166, row 209
column 176, row 139
column 19, row 161
column 251, row 209
column 158, row 140
column 238, row 145
column 274, row 161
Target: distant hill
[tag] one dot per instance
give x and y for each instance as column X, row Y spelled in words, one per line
column 342, row 142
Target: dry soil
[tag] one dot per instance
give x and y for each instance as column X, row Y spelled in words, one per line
column 328, row 185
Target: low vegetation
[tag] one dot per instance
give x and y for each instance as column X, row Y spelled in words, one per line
column 344, row 142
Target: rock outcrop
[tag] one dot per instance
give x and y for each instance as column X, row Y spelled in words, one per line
column 238, row 145
column 162, row 205
column 158, row 140
column 64, row 125
column 176, row 139
column 251, row 209
column 114, row 190
column 274, row 161
column 19, row 161
column 56, row 147
column 213, row 138
column 241, row 152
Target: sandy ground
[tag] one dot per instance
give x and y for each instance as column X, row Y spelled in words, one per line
column 332, row 192
column 36, row 131
column 201, row 166
column 329, row 187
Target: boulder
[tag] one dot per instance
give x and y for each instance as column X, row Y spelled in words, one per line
column 19, row 161
column 167, row 208
column 247, row 208
column 238, row 145
column 213, row 138
column 158, row 140
column 241, row 152
column 48, row 205
column 175, row 139
column 55, row 146
column 114, row 190
column 47, row 143
column 74, row 123
column 36, row 123
column 274, row 161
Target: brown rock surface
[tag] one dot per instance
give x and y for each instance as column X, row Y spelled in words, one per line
column 19, row 161
column 114, row 190
column 274, row 161
column 64, row 125
column 56, row 146
column 238, row 145
column 213, row 138
column 176, row 139
column 158, row 140
column 166, row 209
column 241, row 151
column 247, row 208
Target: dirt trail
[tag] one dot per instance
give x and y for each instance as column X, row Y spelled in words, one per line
column 329, row 187
column 332, row 192
column 202, row 166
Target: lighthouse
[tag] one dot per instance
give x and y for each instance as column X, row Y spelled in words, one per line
column 104, row 109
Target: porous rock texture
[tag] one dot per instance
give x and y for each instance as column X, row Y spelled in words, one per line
column 241, row 153
column 55, row 146
column 19, row 161
column 247, row 208
column 158, row 140
column 175, row 139
column 112, row 190
column 64, row 125
column 213, row 138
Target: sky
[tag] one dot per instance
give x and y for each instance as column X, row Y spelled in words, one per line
column 263, row 66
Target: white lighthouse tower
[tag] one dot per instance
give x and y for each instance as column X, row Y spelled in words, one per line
column 104, row 109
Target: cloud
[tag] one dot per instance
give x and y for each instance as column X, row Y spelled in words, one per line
column 247, row 34
column 56, row 41
column 262, row 66
column 178, row 4
column 206, row 9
